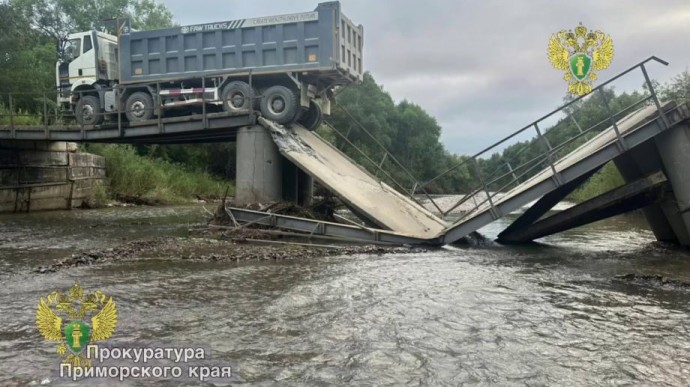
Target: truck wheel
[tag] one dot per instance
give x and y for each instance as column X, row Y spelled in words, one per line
column 312, row 118
column 139, row 107
column 279, row 104
column 237, row 96
column 88, row 110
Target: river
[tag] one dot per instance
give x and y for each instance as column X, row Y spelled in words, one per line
column 548, row 314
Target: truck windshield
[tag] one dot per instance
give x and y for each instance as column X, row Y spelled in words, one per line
column 72, row 49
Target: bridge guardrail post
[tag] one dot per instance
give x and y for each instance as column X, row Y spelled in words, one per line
column 204, row 122
column 120, row 132
column 160, row 107
column 45, row 115
column 664, row 120
column 253, row 97
column 492, row 208
column 10, row 102
column 81, row 126
column 549, row 155
column 572, row 117
column 621, row 141
column 383, row 159
column 512, row 172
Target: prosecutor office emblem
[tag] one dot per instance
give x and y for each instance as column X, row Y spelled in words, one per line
column 580, row 54
column 76, row 320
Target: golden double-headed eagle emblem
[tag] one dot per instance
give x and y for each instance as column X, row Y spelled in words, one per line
column 580, row 54
column 76, row 320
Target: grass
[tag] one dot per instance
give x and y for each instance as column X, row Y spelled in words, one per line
column 132, row 177
column 18, row 117
column 603, row 181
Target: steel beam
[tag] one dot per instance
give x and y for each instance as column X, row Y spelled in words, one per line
column 629, row 197
column 317, row 227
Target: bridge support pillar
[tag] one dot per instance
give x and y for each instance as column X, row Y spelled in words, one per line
column 259, row 167
column 298, row 186
column 664, row 221
column 674, row 149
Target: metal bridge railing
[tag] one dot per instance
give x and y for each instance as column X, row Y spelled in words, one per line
column 51, row 117
column 489, row 185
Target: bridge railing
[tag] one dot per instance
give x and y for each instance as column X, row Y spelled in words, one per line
column 490, row 173
column 499, row 167
column 36, row 110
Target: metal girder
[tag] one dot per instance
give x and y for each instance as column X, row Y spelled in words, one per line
column 546, row 203
column 629, row 197
column 316, row 227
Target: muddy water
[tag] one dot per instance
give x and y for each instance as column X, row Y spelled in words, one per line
column 550, row 314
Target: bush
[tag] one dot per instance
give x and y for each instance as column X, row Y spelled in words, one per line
column 18, row 117
column 141, row 178
column 603, row 181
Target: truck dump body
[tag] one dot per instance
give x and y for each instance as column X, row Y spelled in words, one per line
column 323, row 43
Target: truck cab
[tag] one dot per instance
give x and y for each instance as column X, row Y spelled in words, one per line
column 87, row 67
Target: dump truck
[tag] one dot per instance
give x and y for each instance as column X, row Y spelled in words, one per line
column 285, row 67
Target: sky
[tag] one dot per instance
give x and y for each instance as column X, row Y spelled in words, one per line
column 480, row 67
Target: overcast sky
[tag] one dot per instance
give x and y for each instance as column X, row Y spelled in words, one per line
column 480, row 67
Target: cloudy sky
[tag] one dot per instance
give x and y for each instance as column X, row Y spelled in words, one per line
column 480, row 67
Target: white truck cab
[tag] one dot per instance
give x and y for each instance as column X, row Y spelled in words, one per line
column 88, row 67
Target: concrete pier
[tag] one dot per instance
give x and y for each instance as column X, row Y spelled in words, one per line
column 39, row 175
column 259, row 167
column 662, row 219
column 674, row 150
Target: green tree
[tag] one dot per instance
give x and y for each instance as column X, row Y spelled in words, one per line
column 27, row 61
column 409, row 133
column 58, row 18
column 678, row 89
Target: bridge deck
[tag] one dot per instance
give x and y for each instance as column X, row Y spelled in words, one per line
column 363, row 193
column 210, row 127
column 634, row 129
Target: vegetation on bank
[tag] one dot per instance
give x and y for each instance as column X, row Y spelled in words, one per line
column 132, row 177
column 603, row 181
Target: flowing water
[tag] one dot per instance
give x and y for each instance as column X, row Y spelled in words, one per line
column 550, row 314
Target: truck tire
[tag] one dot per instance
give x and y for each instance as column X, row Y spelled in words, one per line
column 237, row 97
column 88, row 110
column 279, row 104
column 139, row 107
column 312, row 118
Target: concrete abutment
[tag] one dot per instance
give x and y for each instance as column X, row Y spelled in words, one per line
column 40, row 175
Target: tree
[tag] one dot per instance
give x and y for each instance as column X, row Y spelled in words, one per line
column 57, row 19
column 27, row 61
column 409, row 133
column 33, row 29
column 678, row 89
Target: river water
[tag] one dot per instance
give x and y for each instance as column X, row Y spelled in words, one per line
column 550, row 314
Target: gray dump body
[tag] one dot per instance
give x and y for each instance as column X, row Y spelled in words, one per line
column 323, row 43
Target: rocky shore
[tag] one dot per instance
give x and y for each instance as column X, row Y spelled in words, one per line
column 238, row 249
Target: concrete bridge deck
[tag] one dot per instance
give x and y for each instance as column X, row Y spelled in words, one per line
column 362, row 192
column 211, row 127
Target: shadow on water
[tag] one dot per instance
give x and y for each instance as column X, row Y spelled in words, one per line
column 549, row 313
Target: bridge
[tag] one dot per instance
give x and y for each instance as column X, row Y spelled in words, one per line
column 647, row 140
